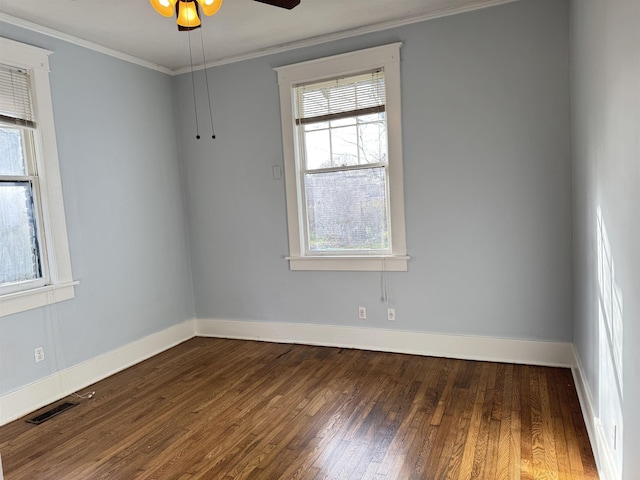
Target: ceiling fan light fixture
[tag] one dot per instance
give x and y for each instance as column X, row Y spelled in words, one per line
column 164, row 7
column 210, row 7
column 188, row 14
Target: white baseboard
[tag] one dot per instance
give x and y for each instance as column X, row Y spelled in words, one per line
column 417, row 343
column 31, row 397
column 601, row 452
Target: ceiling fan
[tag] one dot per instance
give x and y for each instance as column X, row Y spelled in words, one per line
column 187, row 11
column 288, row 4
column 188, row 18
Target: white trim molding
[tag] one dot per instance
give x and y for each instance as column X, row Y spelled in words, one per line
column 604, row 457
column 31, row 397
column 557, row 354
column 38, row 297
column 397, row 263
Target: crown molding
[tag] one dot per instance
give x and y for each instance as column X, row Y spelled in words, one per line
column 285, row 47
column 34, row 27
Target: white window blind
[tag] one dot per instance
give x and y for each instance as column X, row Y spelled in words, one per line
column 340, row 98
column 16, row 106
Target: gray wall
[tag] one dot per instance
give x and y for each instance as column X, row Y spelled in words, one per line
column 605, row 46
column 486, row 132
column 124, row 207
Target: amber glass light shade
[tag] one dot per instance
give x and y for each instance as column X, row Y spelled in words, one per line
column 210, row 7
column 164, row 7
column 188, row 14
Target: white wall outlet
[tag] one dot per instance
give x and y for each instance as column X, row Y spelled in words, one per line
column 38, row 354
column 391, row 314
column 362, row 313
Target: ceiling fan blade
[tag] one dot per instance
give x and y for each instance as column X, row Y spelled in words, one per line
column 288, row 4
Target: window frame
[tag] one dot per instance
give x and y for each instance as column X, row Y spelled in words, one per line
column 386, row 57
column 30, row 176
column 57, row 282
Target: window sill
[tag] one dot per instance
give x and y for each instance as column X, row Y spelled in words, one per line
column 396, row 263
column 37, row 297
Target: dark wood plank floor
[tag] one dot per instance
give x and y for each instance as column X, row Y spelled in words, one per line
column 226, row 409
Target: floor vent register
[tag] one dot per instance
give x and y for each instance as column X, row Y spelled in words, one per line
column 57, row 410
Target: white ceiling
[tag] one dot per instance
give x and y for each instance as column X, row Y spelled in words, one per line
column 241, row 29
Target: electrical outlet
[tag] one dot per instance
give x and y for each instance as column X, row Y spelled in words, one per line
column 391, row 314
column 362, row 313
column 38, row 354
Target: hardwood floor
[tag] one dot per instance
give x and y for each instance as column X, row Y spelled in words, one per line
column 228, row 409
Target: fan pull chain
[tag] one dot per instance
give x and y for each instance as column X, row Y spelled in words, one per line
column 206, row 79
column 193, row 87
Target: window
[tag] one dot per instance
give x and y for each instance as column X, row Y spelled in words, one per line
column 343, row 161
column 20, row 247
column 35, row 267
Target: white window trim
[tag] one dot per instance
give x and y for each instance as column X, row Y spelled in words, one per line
column 387, row 57
column 60, row 284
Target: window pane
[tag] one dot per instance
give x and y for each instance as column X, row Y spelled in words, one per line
column 19, row 258
column 11, row 153
column 344, row 146
column 373, row 142
column 346, row 210
column 318, row 149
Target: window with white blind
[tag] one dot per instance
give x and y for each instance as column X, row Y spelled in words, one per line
column 35, row 268
column 343, row 161
column 21, row 252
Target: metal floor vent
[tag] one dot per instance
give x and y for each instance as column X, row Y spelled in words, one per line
column 43, row 417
